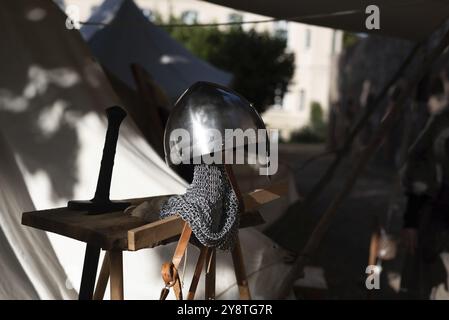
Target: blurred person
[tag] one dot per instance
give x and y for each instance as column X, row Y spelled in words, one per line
column 425, row 233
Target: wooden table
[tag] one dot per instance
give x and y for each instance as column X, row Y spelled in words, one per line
column 119, row 231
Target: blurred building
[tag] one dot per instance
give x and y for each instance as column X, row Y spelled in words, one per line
column 316, row 56
column 316, row 50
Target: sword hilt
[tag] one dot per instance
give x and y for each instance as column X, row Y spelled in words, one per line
column 101, row 202
column 115, row 117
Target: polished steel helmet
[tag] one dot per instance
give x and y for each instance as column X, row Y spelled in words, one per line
column 201, row 119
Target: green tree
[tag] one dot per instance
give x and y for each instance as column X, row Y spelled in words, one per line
column 317, row 118
column 350, row 39
column 259, row 62
column 315, row 132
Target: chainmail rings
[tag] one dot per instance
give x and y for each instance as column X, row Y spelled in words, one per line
column 210, row 206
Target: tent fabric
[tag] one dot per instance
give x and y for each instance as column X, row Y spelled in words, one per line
column 130, row 37
column 26, row 274
column 407, row 19
column 144, row 109
column 52, row 100
column 52, row 97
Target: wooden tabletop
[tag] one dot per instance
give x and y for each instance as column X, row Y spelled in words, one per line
column 126, row 231
column 108, row 231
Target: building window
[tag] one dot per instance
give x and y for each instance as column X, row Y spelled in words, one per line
column 302, row 100
column 189, row 17
column 235, row 18
column 308, row 39
column 148, row 14
column 281, row 29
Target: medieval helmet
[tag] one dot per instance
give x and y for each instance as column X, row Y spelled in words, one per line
column 205, row 113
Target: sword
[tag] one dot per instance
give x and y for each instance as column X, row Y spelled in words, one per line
column 101, row 202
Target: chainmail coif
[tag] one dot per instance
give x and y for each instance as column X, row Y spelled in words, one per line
column 210, row 206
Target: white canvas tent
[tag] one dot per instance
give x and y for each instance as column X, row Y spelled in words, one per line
column 129, row 37
column 412, row 20
column 52, row 100
column 30, row 268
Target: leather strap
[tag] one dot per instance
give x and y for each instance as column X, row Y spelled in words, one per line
column 169, row 270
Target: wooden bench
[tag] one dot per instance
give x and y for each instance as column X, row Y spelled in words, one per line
column 119, row 231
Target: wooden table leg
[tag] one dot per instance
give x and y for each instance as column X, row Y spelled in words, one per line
column 197, row 273
column 210, row 274
column 178, row 255
column 89, row 272
column 240, row 272
column 103, row 279
column 116, row 274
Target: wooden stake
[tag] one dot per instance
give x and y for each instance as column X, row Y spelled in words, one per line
column 237, row 256
column 197, row 273
column 240, row 272
column 103, row 279
column 116, row 270
column 180, row 250
column 210, row 274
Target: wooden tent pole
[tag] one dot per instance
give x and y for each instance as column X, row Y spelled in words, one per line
column 385, row 126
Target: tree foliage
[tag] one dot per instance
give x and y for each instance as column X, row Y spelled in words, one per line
column 349, row 39
column 316, row 131
column 259, row 62
column 317, row 117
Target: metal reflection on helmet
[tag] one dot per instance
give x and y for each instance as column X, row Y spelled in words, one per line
column 207, row 108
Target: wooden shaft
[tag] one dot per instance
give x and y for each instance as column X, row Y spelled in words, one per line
column 374, row 248
column 373, row 254
column 116, row 270
column 237, row 256
column 240, row 272
column 177, row 289
column 169, row 271
column 182, row 245
column 210, row 274
column 197, row 273
column 180, row 250
column 103, row 279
